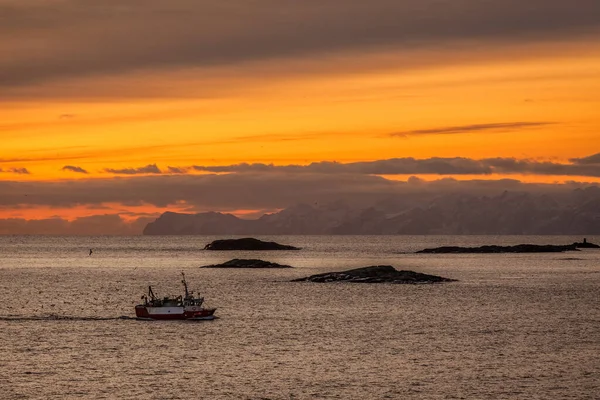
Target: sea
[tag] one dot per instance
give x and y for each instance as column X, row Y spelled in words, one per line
column 513, row 326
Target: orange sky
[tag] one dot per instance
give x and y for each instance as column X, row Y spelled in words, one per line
column 301, row 119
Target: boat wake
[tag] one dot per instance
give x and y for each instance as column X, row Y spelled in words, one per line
column 54, row 317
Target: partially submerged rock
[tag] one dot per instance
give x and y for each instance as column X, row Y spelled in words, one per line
column 520, row 248
column 247, row 263
column 246, row 244
column 375, row 274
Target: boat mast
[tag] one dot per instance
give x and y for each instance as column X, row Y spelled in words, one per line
column 187, row 295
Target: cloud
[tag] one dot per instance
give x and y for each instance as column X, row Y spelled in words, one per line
column 177, row 170
column 394, row 166
column 230, row 191
column 450, row 130
column 239, row 191
column 148, row 169
column 20, row 171
column 593, row 159
column 74, row 169
column 118, row 36
column 514, row 166
column 412, row 166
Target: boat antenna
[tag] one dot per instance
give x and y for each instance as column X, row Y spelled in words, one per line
column 185, row 285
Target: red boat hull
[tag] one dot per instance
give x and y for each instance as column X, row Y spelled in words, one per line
column 174, row 313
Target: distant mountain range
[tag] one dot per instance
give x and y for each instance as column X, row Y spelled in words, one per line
column 574, row 212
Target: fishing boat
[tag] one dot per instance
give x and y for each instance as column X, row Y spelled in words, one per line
column 187, row 307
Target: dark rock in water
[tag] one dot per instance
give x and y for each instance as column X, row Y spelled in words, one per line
column 520, row 248
column 375, row 274
column 246, row 244
column 247, row 263
column 586, row 245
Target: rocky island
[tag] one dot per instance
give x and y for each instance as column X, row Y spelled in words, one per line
column 375, row 274
column 247, row 263
column 519, row 248
column 246, row 244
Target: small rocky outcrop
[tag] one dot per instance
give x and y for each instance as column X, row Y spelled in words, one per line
column 586, row 245
column 247, row 244
column 247, row 263
column 520, row 248
column 375, row 274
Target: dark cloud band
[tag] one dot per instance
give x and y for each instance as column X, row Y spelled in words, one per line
column 118, row 36
column 588, row 166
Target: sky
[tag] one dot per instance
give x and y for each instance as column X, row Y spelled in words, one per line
column 113, row 112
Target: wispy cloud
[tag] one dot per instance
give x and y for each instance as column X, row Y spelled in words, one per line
column 148, row 169
column 21, row 171
column 73, row 168
column 492, row 127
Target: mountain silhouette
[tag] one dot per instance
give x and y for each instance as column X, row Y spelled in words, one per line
column 509, row 213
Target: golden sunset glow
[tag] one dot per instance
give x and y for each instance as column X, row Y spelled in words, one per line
column 304, row 119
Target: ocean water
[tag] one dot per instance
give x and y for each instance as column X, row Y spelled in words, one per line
column 515, row 326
